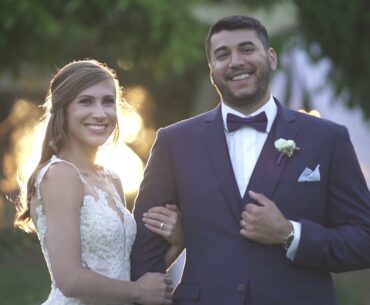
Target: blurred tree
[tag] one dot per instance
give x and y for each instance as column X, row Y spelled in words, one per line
column 159, row 44
column 145, row 34
column 152, row 43
column 341, row 29
column 156, row 43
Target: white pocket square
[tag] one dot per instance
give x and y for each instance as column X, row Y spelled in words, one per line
column 309, row 175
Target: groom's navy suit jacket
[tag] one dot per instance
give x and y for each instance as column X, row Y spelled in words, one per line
column 190, row 166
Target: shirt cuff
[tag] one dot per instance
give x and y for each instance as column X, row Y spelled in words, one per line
column 292, row 250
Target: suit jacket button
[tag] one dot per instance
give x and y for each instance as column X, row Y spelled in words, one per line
column 241, row 288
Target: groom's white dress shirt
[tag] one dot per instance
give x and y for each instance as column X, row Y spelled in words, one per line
column 245, row 146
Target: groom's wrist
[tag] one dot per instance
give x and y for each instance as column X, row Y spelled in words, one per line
column 288, row 239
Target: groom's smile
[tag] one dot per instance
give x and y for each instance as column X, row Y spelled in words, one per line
column 241, row 67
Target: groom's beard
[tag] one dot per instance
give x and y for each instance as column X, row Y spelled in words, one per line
column 257, row 92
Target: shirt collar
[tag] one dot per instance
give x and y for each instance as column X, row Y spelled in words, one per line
column 269, row 108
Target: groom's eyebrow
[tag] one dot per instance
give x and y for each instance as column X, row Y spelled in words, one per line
column 242, row 44
column 247, row 43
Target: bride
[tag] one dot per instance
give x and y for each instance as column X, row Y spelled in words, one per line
column 78, row 208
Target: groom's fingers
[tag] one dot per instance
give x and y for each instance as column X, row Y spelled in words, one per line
column 251, row 208
column 263, row 223
column 260, row 198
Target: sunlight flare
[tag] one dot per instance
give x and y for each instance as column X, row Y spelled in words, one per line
column 130, row 125
column 313, row 112
column 123, row 161
column 25, row 145
column 26, row 142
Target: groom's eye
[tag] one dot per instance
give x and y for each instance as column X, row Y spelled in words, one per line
column 221, row 55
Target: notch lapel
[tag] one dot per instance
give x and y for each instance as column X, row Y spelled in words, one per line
column 220, row 159
column 268, row 170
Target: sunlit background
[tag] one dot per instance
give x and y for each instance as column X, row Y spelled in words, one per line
column 156, row 47
column 28, row 132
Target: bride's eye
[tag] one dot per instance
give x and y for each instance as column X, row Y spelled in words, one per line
column 85, row 101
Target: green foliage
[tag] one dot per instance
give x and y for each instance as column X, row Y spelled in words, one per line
column 154, row 42
column 341, row 28
column 157, row 34
column 148, row 43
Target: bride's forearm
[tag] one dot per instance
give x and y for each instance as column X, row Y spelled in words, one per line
column 90, row 286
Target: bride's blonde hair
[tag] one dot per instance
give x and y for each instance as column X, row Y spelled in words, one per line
column 65, row 86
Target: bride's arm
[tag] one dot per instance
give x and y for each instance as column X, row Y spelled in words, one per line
column 62, row 196
column 166, row 222
column 172, row 229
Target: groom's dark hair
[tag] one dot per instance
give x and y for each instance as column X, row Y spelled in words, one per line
column 237, row 22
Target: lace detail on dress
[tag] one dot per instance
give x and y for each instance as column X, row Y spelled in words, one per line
column 106, row 241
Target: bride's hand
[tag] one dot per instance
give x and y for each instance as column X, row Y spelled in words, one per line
column 166, row 222
column 155, row 288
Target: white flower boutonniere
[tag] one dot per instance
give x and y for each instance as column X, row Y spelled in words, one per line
column 285, row 147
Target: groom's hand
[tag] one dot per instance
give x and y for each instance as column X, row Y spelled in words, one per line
column 264, row 223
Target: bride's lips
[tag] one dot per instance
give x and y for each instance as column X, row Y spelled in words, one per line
column 97, row 128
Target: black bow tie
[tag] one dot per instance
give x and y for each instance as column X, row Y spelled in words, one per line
column 258, row 122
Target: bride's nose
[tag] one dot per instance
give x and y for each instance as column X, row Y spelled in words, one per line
column 98, row 111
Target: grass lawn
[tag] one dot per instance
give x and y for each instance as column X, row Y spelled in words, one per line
column 24, row 279
column 353, row 288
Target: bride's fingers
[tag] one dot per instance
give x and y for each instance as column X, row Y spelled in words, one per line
column 161, row 223
column 168, row 280
column 156, row 230
column 154, row 223
column 161, row 210
column 168, row 300
column 173, row 207
column 156, row 216
column 170, row 220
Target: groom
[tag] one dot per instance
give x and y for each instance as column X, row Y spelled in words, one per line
column 265, row 221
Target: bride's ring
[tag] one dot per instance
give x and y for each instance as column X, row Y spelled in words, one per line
column 161, row 226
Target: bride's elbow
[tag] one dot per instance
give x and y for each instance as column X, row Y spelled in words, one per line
column 68, row 286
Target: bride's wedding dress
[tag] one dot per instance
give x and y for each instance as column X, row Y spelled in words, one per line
column 106, row 236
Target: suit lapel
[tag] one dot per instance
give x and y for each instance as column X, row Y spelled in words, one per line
column 220, row 159
column 270, row 166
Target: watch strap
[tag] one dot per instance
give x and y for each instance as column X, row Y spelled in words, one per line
column 288, row 240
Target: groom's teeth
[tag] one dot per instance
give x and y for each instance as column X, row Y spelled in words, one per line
column 240, row 77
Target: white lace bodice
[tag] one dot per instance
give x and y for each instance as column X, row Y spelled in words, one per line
column 106, row 240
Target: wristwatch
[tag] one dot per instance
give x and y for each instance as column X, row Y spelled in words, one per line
column 288, row 240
